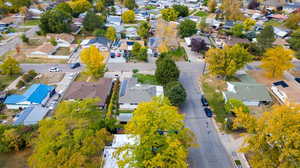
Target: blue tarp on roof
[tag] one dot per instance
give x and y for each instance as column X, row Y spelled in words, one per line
column 35, row 94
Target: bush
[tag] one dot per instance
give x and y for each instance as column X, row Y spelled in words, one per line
column 135, row 71
column 176, row 93
column 99, row 32
column 24, row 38
column 20, row 84
column 29, row 76
column 32, row 73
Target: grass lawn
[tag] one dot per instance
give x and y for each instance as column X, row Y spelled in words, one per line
column 273, row 23
column 215, row 101
column 7, row 54
column 125, row 111
column 63, row 51
column 201, row 14
column 84, row 77
column 43, row 60
column 31, row 22
column 178, row 54
column 6, row 80
column 15, row 159
column 145, row 78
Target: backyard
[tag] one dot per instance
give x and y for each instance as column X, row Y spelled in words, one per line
column 6, row 80
column 145, row 78
column 15, row 159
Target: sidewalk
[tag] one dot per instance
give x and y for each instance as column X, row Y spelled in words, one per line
column 232, row 146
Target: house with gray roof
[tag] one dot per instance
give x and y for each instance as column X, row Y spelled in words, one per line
column 132, row 93
column 248, row 91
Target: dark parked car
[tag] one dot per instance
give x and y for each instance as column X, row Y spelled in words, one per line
column 208, row 112
column 74, row 65
column 204, row 101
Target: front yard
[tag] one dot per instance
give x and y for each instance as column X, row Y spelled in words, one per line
column 31, row 23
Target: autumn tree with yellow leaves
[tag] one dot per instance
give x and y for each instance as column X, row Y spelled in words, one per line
column 94, row 61
column 225, row 62
column 231, row 9
column 277, row 60
column 273, row 139
column 164, row 141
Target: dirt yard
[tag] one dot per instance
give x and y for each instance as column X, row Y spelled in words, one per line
column 50, row 78
column 15, row 160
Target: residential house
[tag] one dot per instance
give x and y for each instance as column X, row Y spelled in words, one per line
column 35, row 13
column 281, row 42
column 291, row 7
column 132, row 93
column 126, row 45
column 37, row 94
column 279, row 17
column 120, row 140
column 286, row 91
column 77, row 21
column 280, row 32
column 228, row 24
column 63, row 39
column 10, row 21
column 113, row 20
column 81, row 90
column 100, row 42
column 131, row 32
column 31, row 115
column 248, row 91
column 43, row 51
column 231, row 41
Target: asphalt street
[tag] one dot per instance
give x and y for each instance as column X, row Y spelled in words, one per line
column 210, row 153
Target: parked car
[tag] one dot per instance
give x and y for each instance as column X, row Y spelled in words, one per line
column 54, row 69
column 208, row 112
column 74, row 65
column 204, row 101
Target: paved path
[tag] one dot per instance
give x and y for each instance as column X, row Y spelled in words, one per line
column 211, row 153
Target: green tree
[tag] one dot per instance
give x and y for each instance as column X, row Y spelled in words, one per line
column 92, row 21
column 225, row 62
column 24, row 38
column 203, row 25
column 294, row 42
column 166, row 71
column 187, row 28
column 72, row 138
column 65, row 7
column 237, row 30
column 53, row 41
column 182, row 10
column 99, row 32
column 175, row 92
column 55, row 21
column 169, row 14
column 163, row 139
column 266, row 38
column 128, row 16
column 292, row 21
column 143, row 29
column 233, row 104
column 130, row 4
column 248, row 24
column 111, row 33
column 10, row 67
column 272, row 137
column 136, row 49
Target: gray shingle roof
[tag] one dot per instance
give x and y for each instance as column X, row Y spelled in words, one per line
column 132, row 92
